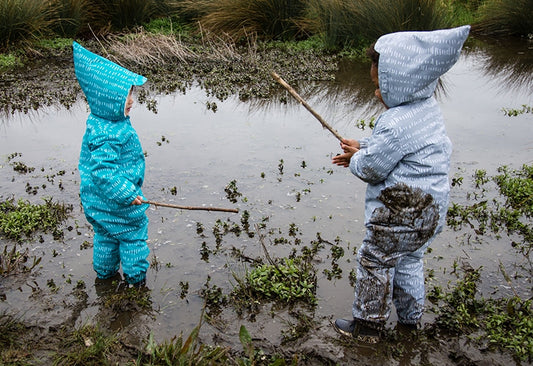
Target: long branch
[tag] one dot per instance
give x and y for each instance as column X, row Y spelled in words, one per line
column 191, row 207
column 304, row 103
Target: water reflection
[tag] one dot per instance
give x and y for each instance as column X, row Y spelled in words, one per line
column 508, row 61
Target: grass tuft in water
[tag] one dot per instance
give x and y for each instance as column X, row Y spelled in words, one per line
column 21, row 220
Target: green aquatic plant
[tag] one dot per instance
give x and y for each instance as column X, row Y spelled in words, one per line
column 511, row 212
column 20, row 220
column 507, row 323
column 182, row 351
column 288, row 281
column 512, row 112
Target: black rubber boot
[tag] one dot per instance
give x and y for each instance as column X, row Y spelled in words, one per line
column 361, row 330
column 107, row 286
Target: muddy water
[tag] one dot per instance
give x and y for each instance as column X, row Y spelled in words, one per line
column 279, row 157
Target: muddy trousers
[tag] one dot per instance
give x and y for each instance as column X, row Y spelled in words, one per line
column 384, row 278
column 130, row 249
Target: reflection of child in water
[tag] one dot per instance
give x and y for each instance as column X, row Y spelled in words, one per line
column 112, row 169
column 405, row 163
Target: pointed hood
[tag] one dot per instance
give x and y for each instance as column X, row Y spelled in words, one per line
column 105, row 84
column 411, row 63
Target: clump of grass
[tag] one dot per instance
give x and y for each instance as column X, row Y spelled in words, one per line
column 86, row 346
column 12, row 352
column 22, row 219
column 356, row 23
column 513, row 112
column 71, row 17
column 9, row 61
column 506, row 17
column 128, row 14
column 14, row 261
column 22, row 22
column 269, row 19
column 180, row 351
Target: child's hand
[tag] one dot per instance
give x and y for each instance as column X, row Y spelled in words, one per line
column 137, row 201
column 349, row 147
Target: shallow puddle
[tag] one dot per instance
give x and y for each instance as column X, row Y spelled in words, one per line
column 279, row 157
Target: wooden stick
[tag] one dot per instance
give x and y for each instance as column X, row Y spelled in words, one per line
column 304, row 103
column 191, row 207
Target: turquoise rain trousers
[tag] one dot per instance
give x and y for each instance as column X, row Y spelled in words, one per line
column 112, row 169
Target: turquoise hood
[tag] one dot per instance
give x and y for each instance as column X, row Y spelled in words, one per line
column 105, row 84
column 411, row 63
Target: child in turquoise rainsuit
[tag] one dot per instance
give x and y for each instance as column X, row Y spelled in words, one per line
column 405, row 163
column 112, row 168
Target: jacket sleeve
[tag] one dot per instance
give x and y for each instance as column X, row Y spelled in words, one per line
column 105, row 170
column 378, row 156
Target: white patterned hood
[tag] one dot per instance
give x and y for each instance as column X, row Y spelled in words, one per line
column 411, row 63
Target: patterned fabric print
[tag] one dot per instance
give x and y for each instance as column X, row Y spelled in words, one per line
column 105, row 84
column 112, row 168
column 405, row 163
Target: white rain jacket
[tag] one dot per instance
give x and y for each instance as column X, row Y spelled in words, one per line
column 406, row 163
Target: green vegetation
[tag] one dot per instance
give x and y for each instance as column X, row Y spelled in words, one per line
column 506, row 17
column 336, row 23
column 286, row 282
column 511, row 212
column 21, row 220
column 507, row 324
column 268, row 19
column 511, row 112
column 350, row 23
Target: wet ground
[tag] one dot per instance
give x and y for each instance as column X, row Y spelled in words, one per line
column 278, row 156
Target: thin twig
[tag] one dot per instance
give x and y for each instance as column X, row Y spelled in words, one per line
column 304, row 103
column 235, row 210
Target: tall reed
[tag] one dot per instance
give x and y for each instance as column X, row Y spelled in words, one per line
column 23, row 21
column 357, row 22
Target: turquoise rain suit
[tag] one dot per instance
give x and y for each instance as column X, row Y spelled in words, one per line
column 405, row 163
column 112, row 169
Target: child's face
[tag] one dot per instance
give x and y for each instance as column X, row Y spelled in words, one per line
column 129, row 103
column 375, row 80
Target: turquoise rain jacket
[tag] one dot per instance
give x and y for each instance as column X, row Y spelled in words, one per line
column 111, row 161
column 405, row 163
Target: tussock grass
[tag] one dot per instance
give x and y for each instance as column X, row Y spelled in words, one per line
column 506, row 18
column 352, row 23
column 72, row 17
column 23, row 22
column 269, row 19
